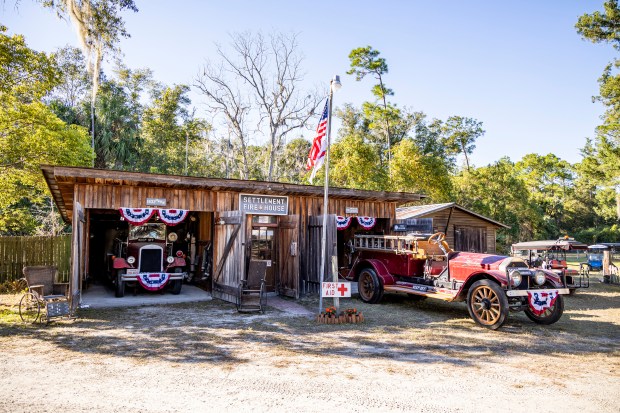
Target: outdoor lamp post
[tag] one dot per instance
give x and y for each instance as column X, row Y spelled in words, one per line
column 334, row 85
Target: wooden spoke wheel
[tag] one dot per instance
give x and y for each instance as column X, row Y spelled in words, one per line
column 369, row 286
column 487, row 304
column 29, row 308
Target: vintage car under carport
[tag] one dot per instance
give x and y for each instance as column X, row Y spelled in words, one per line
column 242, row 219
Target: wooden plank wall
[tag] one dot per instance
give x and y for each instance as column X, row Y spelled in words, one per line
column 288, row 258
column 460, row 218
column 95, row 196
column 226, row 279
column 114, row 197
column 311, row 275
column 18, row 252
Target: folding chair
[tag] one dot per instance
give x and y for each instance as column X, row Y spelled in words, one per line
column 251, row 292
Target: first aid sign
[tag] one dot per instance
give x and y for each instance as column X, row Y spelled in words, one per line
column 335, row 290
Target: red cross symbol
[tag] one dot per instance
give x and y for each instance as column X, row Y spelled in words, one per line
column 342, row 288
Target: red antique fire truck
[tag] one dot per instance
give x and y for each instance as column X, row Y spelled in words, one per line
column 425, row 266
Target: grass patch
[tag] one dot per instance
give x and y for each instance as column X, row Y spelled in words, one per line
column 9, row 316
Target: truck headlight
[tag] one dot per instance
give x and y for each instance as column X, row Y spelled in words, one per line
column 170, row 259
column 540, row 277
column 516, row 278
column 131, row 260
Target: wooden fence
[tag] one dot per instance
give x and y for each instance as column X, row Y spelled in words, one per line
column 17, row 252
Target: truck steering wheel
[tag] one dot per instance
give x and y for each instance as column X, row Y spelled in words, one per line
column 436, row 238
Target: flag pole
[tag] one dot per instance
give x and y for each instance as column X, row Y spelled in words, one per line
column 334, row 84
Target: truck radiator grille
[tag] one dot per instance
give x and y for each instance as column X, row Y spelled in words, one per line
column 150, row 260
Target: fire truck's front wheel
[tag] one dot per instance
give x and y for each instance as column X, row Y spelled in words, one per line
column 176, row 284
column 550, row 315
column 120, row 284
column 487, row 304
column 369, row 286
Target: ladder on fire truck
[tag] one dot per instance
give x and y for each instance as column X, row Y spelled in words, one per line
column 420, row 248
column 398, row 244
column 392, row 243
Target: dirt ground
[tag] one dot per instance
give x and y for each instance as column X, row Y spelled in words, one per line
column 407, row 356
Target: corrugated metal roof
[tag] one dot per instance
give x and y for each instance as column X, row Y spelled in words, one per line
column 420, row 211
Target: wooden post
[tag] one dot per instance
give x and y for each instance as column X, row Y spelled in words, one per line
column 610, row 271
column 335, row 279
column 606, row 262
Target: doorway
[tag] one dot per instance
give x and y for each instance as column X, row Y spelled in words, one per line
column 263, row 245
column 470, row 239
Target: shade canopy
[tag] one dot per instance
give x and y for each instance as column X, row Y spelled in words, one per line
column 559, row 244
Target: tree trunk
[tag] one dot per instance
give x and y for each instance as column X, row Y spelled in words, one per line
column 387, row 123
column 466, row 157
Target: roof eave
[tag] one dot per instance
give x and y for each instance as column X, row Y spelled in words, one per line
column 112, row 177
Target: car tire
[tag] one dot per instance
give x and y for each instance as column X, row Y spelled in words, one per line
column 487, row 304
column 176, row 287
column 369, row 286
column 551, row 315
column 120, row 284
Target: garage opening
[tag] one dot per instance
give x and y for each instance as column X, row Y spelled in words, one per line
column 120, row 252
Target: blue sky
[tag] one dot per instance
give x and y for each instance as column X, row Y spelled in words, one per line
column 518, row 67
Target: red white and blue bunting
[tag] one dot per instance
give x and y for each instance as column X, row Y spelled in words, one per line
column 366, row 222
column 173, row 216
column 540, row 302
column 153, row 281
column 343, row 223
column 137, row 216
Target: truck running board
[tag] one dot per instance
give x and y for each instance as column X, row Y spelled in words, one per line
column 422, row 290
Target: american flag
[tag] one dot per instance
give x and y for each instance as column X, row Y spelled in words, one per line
column 319, row 144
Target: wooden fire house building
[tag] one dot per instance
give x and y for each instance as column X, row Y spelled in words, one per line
column 465, row 230
column 229, row 222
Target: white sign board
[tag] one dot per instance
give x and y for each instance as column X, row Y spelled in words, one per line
column 263, row 204
column 155, row 201
column 335, row 290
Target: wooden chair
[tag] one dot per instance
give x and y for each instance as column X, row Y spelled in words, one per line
column 44, row 291
column 251, row 292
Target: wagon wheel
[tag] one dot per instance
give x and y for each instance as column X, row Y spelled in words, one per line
column 29, row 308
column 487, row 304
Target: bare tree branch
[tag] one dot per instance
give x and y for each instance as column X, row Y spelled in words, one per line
column 270, row 72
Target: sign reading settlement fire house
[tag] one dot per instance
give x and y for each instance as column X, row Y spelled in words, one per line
column 263, row 204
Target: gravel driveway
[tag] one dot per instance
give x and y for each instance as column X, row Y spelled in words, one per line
column 408, row 356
